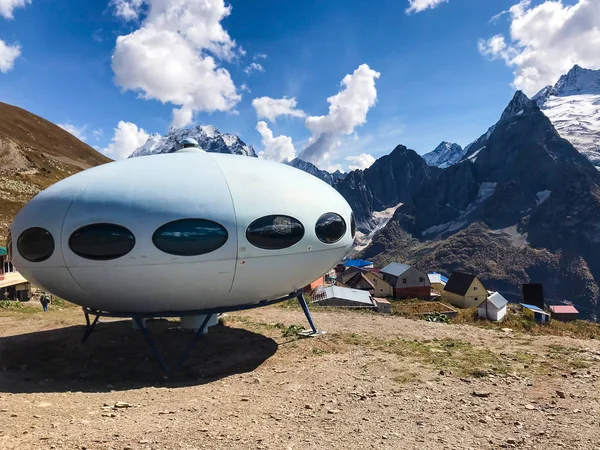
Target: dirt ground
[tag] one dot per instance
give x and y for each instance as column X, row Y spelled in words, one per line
column 371, row 382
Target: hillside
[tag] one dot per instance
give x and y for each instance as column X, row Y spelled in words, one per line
column 34, row 154
column 523, row 206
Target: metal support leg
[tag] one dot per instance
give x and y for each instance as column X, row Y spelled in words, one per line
column 314, row 331
column 153, row 349
column 89, row 327
column 193, row 342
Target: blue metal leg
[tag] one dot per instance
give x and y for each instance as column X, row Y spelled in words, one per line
column 302, row 302
column 192, row 344
column 153, row 349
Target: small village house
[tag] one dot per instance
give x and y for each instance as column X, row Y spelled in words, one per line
column 318, row 283
column 539, row 315
column 374, row 281
column 342, row 296
column 464, row 290
column 360, row 281
column 493, row 308
column 438, row 282
column 407, row 281
column 564, row 313
column 12, row 284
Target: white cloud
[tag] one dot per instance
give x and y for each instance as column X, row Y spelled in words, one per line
column 97, row 134
column 278, row 148
column 360, row 162
column 78, row 132
column 127, row 10
column 173, row 56
column 254, row 67
column 547, row 40
column 416, row 6
column 271, row 108
column 259, row 56
column 347, row 110
column 8, row 6
column 127, row 138
column 244, row 87
column 8, row 55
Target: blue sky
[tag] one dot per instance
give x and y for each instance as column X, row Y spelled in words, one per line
column 434, row 81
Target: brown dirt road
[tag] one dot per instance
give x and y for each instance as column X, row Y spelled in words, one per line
column 370, row 382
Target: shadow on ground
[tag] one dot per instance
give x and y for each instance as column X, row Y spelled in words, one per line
column 116, row 357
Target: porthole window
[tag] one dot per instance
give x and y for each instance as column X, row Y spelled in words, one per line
column 275, row 232
column 330, row 228
column 102, row 241
column 190, row 237
column 352, row 225
column 35, row 244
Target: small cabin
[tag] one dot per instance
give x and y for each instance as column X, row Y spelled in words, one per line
column 464, row 290
column 493, row 308
column 345, row 297
column 12, row 284
column 539, row 315
column 406, row 281
column 564, row 313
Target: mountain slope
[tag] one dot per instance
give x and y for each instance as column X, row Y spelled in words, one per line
column 391, row 180
column 444, row 155
column 524, row 205
column 327, row 177
column 34, row 154
column 208, row 137
column 573, row 106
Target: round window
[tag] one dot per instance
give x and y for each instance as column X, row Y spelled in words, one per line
column 35, row 244
column 102, row 241
column 330, row 228
column 275, row 232
column 190, row 237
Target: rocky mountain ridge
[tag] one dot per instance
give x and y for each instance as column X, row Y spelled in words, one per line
column 445, row 155
column 209, row 138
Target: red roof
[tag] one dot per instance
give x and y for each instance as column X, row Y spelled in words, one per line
column 563, row 309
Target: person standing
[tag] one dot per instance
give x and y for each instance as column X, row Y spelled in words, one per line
column 44, row 300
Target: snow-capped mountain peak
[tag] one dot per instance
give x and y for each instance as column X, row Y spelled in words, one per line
column 444, row 155
column 573, row 106
column 519, row 105
column 327, row 177
column 209, row 138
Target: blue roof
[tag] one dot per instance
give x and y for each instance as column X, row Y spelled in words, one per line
column 357, row 263
column 442, row 277
column 532, row 307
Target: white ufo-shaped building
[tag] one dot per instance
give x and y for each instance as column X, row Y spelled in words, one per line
column 185, row 231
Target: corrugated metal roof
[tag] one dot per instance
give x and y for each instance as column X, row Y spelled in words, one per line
column 533, row 308
column 435, row 277
column 497, row 300
column 354, row 295
column 564, row 309
column 395, row 269
column 357, row 263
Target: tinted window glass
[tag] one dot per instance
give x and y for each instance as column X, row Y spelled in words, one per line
column 352, row 225
column 102, row 241
column 9, row 246
column 35, row 244
column 330, row 228
column 275, row 232
column 190, row 237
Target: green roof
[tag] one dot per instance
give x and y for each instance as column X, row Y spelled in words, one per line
column 2, row 250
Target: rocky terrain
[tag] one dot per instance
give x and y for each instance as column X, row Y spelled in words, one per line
column 573, row 106
column 370, row 382
column 209, row 139
column 329, row 178
column 35, row 154
column 524, row 205
column 445, row 155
